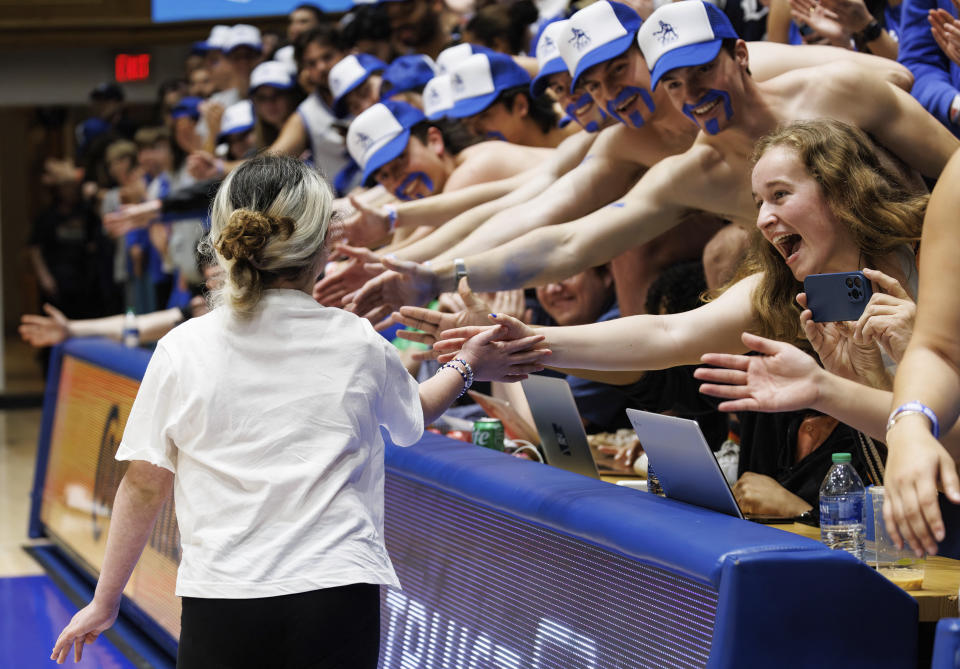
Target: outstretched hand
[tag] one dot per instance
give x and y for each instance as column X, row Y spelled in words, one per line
column 431, row 323
column 130, row 217
column 367, row 225
column 917, row 464
column 495, row 359
column 41, row 331
column 782, row 378
column 509, row 329
column 83, row 629
column 946, row 32
column 361, row 266
column 406, row 283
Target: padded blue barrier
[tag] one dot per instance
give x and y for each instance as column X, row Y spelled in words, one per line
column 508, row 563
column 781, row 599
column 946, row 645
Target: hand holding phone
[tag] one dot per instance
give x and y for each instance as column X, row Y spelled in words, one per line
column 840, row 296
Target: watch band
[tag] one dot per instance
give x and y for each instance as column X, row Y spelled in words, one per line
column 391, row 213
column 871, row 32
column 460, row 272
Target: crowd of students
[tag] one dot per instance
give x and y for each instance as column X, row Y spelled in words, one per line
column 638, row 190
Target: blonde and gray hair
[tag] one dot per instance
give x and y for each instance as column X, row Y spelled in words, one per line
column 268, row 223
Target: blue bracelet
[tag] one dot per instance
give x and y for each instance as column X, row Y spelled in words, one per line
column 915, row 407
column 391, row 217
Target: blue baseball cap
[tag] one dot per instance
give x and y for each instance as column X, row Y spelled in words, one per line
column 547, row 51
column 437, row 97
column 216, row 40
column 187, row 107
column 683, row 34
column 478, row 81
column 380, row 134
column 271, row 73
column 238, row 117
column 243, row 34
column 597, row 33
column 349, row 73
column 451, row 56
column 407, row 73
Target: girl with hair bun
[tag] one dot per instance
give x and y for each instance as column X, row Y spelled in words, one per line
column 264, row 418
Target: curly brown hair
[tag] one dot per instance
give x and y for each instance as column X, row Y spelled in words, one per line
column 869, row 194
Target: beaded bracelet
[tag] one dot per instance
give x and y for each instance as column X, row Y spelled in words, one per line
column 915, row 407
column 466, row 366
column 467, row 378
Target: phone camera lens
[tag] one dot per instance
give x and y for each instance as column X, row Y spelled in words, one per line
column 849, row 282
column 856, row 281
column 856, row 294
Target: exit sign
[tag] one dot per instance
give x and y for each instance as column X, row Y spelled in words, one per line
column 131, row 67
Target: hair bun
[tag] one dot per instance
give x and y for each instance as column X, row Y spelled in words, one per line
column 248, row 232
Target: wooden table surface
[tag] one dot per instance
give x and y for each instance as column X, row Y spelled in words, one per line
column 941, row 580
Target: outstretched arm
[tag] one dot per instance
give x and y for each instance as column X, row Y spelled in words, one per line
column 929, row 374
column 143, row 490
column 591, row 185
column 769, row 59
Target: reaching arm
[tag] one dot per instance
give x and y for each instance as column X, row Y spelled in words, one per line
column 589, row 186
column 896, row 119
column 929, row 374
column 556, row 252
column 769, row 59
column 292, row 140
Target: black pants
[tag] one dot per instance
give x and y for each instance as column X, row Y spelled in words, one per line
column 332, row 628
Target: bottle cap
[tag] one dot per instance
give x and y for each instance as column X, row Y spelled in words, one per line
column 841, row 457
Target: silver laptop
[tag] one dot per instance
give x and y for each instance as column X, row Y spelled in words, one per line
column 683, row 461
column 562, row 437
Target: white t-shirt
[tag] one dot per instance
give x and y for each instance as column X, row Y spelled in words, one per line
column 271, row 426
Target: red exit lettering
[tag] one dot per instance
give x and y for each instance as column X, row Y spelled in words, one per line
column 131, row 67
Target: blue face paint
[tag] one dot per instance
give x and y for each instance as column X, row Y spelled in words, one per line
column 399, row 191
column 577, row 105
column 711, row 127
column 493, row 134
column 635, row 118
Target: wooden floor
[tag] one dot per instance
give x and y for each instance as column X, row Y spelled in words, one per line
column 18, row 446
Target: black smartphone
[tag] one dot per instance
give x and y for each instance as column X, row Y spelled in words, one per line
column 841, row 296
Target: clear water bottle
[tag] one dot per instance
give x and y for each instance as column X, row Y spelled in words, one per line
column 131, row 333
column 653, row 482
column 842, row 499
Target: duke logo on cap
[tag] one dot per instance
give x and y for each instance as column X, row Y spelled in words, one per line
column 548, row 55
column 683, row 34
column 438, row 97
column 380, row 134
column 479, row 80
column 596, row 34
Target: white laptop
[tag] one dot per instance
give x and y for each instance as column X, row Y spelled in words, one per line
column 683, row 461
column 562, row 437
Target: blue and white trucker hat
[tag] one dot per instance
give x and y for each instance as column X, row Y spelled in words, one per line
column 349, row 73
column 547, row 51
column 188, row 107
column 380, row 134
column 216, row 39
column 682, row 34
column 438, row 97
column 451, row 56
column 243, row 35
column 597, row 33
column 480, row 79
column 407, row 73
column 238, row 117
column 271, row 73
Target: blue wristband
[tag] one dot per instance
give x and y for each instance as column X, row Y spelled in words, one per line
column 915, row 407
column 391, row 217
